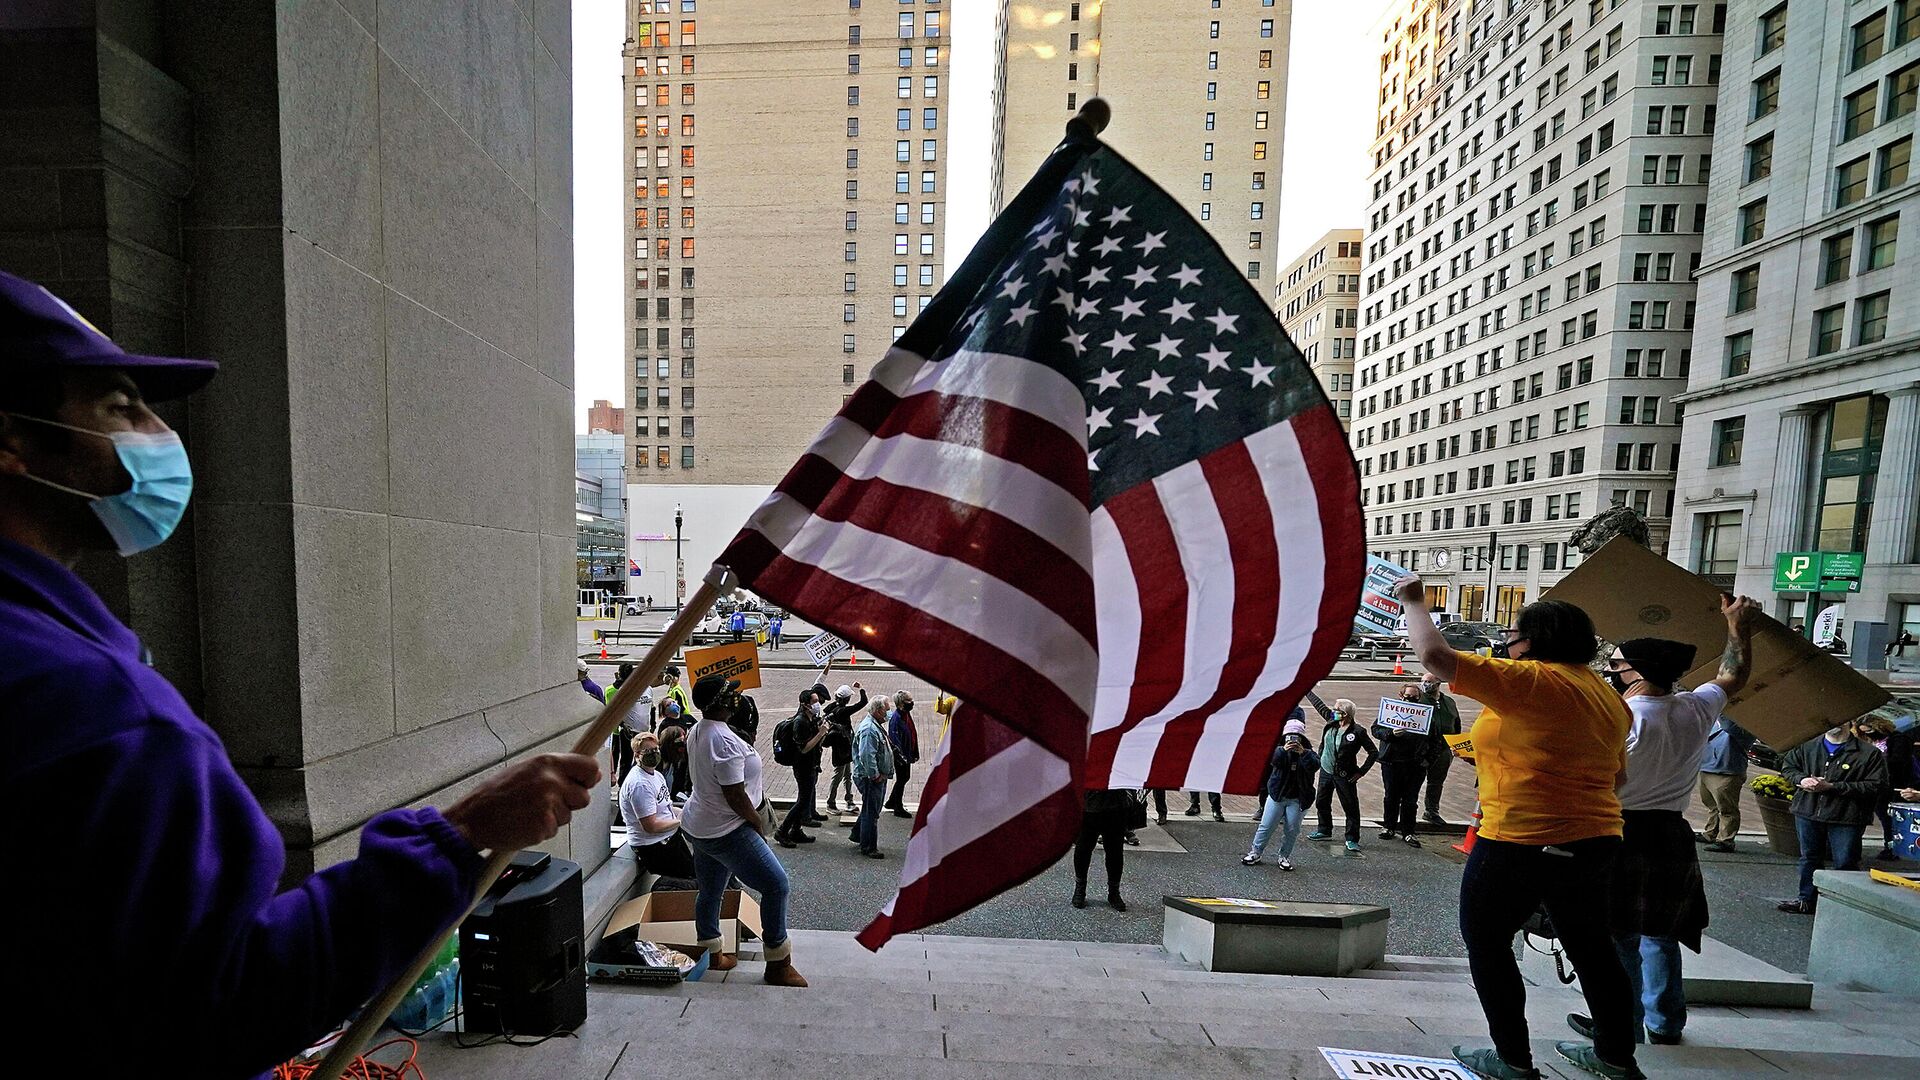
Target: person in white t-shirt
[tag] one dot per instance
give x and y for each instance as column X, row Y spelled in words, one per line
column 653, row 829
column 1659, row 900
column 727, row 829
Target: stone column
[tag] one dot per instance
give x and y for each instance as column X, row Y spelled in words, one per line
column 1787, row 515
column 1896, row 502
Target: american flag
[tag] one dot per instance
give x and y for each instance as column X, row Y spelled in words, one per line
column 1095, row 492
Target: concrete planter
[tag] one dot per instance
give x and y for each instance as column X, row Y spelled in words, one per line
column 1777, row 816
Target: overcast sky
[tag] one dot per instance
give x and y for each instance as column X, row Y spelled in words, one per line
column 1323, row 182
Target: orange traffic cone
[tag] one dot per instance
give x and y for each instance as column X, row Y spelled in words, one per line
column 853, row 658
column 603, row 650
column 1399, row 668
column 1465, row 847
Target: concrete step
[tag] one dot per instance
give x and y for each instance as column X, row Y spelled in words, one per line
column 1719, row 975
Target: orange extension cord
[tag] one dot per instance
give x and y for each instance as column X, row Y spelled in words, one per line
column 363, row 1068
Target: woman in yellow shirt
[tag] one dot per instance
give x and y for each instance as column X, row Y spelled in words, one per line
column 1550, row 747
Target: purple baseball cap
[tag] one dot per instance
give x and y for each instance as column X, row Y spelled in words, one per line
column 39, row 331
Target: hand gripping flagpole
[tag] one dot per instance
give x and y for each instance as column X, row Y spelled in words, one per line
column 350, row 1043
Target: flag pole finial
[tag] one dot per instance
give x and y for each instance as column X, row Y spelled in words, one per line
column 1091, row 120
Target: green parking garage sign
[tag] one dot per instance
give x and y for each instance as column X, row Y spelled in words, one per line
column 1818, row 571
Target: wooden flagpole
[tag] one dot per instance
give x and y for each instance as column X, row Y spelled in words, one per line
column 356, row 1037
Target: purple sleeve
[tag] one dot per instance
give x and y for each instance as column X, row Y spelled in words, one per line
column 207, row 952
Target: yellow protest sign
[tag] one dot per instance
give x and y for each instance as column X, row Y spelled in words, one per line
column 739, row 660
column 1461, row 745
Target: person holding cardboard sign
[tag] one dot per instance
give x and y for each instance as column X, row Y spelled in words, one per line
column 1550, row 747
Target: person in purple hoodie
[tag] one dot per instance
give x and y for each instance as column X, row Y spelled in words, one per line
column 149, row 911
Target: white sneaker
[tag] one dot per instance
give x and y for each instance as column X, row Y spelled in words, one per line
column 1249, row 859
column 1286, row 864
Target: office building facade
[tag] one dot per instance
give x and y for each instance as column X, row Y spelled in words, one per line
column 1538, row 198
column 1319, row 306
column 1199, row 99
column 1803, row 408
column 786, row 173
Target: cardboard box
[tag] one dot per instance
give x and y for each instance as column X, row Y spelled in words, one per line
column 1796, row 691
column 666, row 918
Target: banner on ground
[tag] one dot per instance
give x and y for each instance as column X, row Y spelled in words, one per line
column 739, row 660
column 1367, row 1064
column 1400, row 715
column 1379, row 612
column 824, row 646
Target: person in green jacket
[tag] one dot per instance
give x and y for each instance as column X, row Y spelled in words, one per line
column 1446, row 721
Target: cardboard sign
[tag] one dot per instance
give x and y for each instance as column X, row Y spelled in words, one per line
column 739, row 660
column 1379, row 612
column 823, row 646
column 1461, row 745
column 1796, row 691
column 1367, row 1064
column 1400, row 715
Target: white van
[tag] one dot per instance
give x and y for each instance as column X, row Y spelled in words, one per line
column 1440, row 618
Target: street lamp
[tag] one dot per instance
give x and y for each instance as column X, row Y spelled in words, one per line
column 679, row 566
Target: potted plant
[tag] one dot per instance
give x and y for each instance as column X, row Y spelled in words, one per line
column 1775, row 797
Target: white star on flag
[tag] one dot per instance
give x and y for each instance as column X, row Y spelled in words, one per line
column 1082, row 217
column 1097, row 419
column 1166, row 346
column 1106, row 380
column 1157, row 384
column 1202, row 396
column 1108, row 246
column 1086, row 308
column 1118, row 343
column 1151, row 241
column 1090, row 183
column 1186, row 275
column 1117, row 215
column 1055, row 264
column 1142, row 276
column 1261, row 374
column 1145, row 423
column 1018, row 316
column 1223, row 322
column 1128, row 308
column 1216, row 358
column 1078, row 342
column 1047, row 237
column 1175, row 311
column 1096, row 275
column 1013, row 288
column 1064, row 298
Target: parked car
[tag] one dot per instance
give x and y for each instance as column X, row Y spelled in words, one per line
column 1475, row 636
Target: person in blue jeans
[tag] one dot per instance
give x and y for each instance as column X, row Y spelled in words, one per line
column 726, row 828
column 872, row 768
column 1838, row 779
column 1291, row 780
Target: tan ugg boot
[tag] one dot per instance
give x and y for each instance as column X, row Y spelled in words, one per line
column 717, row 960
column 780, row 971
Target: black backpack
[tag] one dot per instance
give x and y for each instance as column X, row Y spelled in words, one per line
column 784, row 751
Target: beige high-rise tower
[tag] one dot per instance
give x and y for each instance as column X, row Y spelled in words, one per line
column 1319, row 306
column 1199, row 98
column 787, row 203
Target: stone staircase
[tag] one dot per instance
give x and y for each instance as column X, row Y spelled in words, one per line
column 943, row 1006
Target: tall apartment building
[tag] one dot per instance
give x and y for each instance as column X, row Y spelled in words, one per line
column 1319, row 306
column 1803, row 410
column 788, row 205
column 1199, row 99
column 1539, row 192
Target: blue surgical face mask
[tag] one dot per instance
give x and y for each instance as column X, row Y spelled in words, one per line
column 145, row 514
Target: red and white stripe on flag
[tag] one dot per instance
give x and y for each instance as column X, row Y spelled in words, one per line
column 941, row 521
column 1221, row 597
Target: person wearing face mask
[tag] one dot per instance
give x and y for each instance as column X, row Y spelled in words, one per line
column 653, row 829
column 1659, row 899
column 1838, row 779
column 809, row 729
column 1446, row 721
column 148, row 846
column 1550, row 748
column 727, row 829
column 1403, row 767
column 1292, row 778
column 1342, row 741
